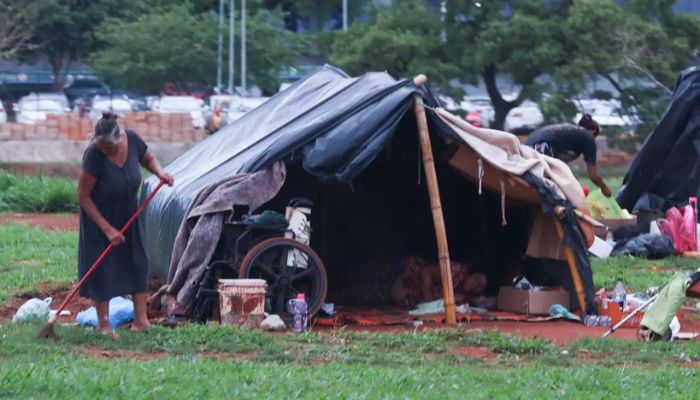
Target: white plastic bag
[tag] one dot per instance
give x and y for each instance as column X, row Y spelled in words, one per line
column 121, row 311
column 33, row 310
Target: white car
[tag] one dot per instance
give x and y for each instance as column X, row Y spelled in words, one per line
column 606, row 113
column 32, row 111
column 117, row 106
column 526, row 115
column 240, row 106
column 183, row 104
column 3, row 114
column 59, row 98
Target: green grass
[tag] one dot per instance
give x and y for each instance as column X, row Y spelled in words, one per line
column 222, row 361
column 37, row 194
column 637, row 273
column 31, row 255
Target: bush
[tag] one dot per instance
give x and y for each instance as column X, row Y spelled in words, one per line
column 37, row 194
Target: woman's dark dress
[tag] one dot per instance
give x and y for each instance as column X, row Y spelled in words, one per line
column 125, row 269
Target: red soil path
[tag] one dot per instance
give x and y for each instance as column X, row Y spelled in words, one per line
column 49, row 222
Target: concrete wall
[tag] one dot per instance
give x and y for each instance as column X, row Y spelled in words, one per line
column 64, row 138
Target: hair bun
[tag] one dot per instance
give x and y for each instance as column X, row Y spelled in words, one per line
column 109, row 115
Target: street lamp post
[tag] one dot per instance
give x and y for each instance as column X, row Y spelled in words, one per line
column 244, row 72
column 231, row 39
column 220, row 44
column 345, row 15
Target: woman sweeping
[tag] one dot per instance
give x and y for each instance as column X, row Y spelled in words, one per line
column 109, row 182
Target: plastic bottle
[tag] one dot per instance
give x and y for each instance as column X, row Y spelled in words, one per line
column 620, row 294
column 300, row 313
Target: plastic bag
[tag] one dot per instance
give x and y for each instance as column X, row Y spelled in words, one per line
column 121, row 311
column 602, row 206
column 33, row 310
column 680, row 227
column 649, row 245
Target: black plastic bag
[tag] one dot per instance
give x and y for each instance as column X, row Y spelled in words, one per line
column 653, row 246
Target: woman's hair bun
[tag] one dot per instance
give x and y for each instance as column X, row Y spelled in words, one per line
column 109, row 115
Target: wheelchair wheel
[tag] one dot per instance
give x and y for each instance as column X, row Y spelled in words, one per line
column 289, row 267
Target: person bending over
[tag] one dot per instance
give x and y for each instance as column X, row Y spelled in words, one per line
column 567, row 142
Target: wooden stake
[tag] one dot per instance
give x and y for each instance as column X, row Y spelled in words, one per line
column 435, row 205
column 573, row 268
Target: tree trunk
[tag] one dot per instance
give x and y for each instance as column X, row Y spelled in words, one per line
column 501, row 106
column 56, row 61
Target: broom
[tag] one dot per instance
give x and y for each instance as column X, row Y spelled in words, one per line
column 47, row 331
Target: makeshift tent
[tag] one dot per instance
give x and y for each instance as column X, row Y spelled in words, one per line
column 666, row 170
column 352, row 144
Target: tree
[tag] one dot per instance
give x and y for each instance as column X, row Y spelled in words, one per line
column 173, row 45
column 15, row 30
column 316, row 12
column 404, row 40
column 64, row 30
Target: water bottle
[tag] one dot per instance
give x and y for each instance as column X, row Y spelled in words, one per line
column 620, row 294
column 300, row 313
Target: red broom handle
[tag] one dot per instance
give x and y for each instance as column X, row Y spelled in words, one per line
column 108, row 249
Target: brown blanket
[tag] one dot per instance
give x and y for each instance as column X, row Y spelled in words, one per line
column 200, row 231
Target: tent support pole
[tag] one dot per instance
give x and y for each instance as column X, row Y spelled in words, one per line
column 573, row 268
column 435, row 204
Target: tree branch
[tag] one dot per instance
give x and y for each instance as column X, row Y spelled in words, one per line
column 15, row 32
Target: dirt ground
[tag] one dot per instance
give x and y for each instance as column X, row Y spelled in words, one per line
column 78, row 304
column 49, row 222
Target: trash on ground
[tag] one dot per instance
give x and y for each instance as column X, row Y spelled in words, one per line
column 558, row 310
column 273, row 322
column 33, row 310
column 437, row 307
column 530, row 301
column 121, row 311
column 600, row 248
column 647, row 245
column 64, row 313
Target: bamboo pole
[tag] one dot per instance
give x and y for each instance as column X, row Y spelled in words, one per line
column 435, row 204
column 573, row 268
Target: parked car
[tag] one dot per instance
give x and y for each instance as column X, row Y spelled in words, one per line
column 526, row 116
column 240, row 106
column 183, row 104
column 33, row 110
column 606, row 113
column 85, row 88
column 102, row 104
column 3, row 114
column 479, row 110
column 59, row 98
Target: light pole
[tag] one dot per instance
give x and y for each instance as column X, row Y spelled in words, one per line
column 244, row 72
column 345, row 15
column 220, row 44
column 231, row 30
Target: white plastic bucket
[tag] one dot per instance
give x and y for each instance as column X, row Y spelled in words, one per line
column 242, row 301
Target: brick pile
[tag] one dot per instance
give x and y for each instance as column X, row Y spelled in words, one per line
column 149, row 125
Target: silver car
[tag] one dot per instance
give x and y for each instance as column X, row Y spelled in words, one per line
column 32, row 111
column 183, row 104
column 117, row 106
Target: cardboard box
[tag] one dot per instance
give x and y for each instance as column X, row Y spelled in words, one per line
column 612, row 224
column 531, row 302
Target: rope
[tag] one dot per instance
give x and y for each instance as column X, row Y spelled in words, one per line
column 419, row 101
column 503, row 202
column 480, row 167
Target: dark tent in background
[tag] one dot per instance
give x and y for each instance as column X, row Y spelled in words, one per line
column 666, row 171
column 351, row 145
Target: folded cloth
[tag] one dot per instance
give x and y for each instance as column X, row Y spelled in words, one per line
column 437, row 306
